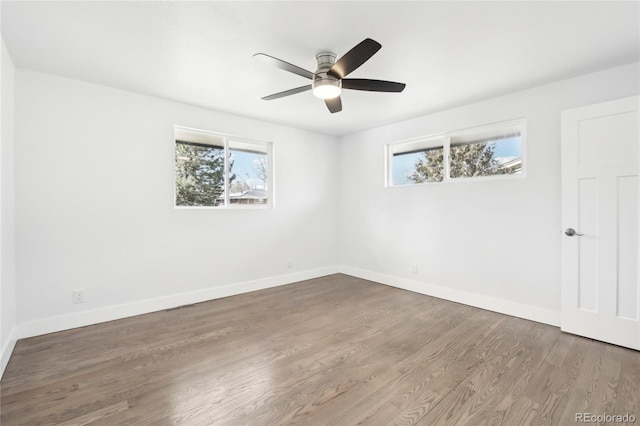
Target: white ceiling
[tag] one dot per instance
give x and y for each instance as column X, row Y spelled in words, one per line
column 201, row 53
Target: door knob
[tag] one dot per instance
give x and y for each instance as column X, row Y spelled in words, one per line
column 570, row 232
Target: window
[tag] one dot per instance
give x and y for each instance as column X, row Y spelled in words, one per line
column 478, row 153
column 215, row 170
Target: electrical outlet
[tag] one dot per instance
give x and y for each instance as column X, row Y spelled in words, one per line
column 414, row 269
column 78, row 295
column 289, row 263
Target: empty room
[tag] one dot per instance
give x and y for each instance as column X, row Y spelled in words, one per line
column 321, row 213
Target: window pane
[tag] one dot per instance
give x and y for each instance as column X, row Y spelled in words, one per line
column 403, row 166
column 248, row 173
column 421, row 166
column 489, row 157
column 199, row 170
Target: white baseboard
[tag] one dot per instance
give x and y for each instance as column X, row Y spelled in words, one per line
column 110, row 313
column 7, row 349
column 533, row 313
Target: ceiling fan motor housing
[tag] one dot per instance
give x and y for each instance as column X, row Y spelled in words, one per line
column 325, row 60
column 325, row 86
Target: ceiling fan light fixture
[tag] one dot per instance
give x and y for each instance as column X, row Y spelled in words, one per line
column 327, row 88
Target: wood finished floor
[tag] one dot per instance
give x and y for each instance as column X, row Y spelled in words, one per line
column 331, row 351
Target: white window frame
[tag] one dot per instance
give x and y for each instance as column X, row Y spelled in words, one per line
column 444, row 140
column 228, row 139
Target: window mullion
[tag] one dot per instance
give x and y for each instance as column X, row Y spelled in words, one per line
column 226, row 172
column 446, row 152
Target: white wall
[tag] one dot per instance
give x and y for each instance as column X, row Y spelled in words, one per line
column 7, row 217
column 94, row 207
column 494, row 244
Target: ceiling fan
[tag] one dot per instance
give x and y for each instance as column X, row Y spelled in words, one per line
column 329, row 79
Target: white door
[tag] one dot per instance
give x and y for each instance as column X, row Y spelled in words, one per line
column 600, row 280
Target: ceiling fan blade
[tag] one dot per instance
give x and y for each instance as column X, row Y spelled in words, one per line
column 334, row 104
column 372, row 85
column 284, row 65
column 287, row 93
column 354, row 58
